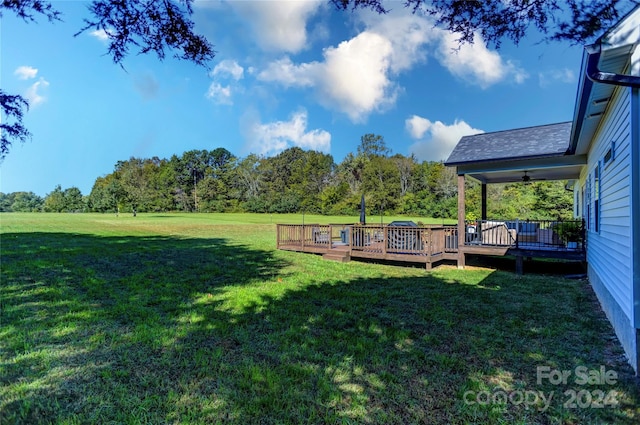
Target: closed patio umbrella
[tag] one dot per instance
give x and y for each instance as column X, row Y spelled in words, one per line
column 362, row 213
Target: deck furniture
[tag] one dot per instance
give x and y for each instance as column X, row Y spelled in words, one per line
column 548, row 237
column 497, row 233
column 527, row 231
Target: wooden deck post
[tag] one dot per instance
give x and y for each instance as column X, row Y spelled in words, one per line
column 519, row 265
column 462, row 228
column 483, row 201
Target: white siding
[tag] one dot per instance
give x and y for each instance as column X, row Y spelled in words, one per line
column 609, row 249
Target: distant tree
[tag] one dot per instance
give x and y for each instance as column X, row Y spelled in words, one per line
column 106, row 194
column 443, row 185
column 211, row 194
column 283, row 178
column 134, row 183
column 68, row 200
column 54, row 201
column 73, row 200
column 144, row 25
column 381, row 184
column 334, row 199
column 576, row 21
column 221, row 168
column 6, row 200
column 161, row 184
column 406, row 169
column 372, row 145
column 444, row 181
column 552, row 201
column 220, row 162
column 249, row 177
column 190, row 169
column 316, row 173
column 26, row 202
column 350, row 172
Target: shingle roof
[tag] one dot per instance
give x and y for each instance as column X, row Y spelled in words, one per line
column 530, row 142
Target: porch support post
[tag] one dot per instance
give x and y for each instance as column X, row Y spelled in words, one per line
column 483, row 200
column 519, row 265
column 462, row 228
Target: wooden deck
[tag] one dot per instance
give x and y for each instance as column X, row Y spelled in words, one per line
column 426, row 245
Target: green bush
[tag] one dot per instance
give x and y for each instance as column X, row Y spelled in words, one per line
column 569, row 231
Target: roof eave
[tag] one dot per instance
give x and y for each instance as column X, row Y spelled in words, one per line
column 624, row 34
column 504, row 159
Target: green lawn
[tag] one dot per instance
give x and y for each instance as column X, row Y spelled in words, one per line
column 196, row 318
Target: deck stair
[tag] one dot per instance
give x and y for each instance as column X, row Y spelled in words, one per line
column 338, row 253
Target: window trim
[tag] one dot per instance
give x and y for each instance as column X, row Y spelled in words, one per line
column 611, row 153
column 597, row 196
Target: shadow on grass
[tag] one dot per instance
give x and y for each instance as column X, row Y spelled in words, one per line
column 164, row 330
column 544, row 266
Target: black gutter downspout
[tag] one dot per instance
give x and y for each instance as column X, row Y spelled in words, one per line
column 594, row 74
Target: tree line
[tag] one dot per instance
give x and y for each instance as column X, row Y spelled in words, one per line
column 296, row 181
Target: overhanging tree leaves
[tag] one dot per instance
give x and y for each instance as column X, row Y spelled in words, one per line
column 11, row 127
column 576, row 21
column 27, row 9
column 157, row 26
column 150, row 26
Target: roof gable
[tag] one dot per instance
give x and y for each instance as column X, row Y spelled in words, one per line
column 530, row 142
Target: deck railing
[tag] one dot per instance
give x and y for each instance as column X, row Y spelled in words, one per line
column 429, row 244
column 385, row 239
column 310, row 235
column 564, row 235
column 403, row 240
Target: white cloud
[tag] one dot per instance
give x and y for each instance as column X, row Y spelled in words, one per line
column 351, row 79
column 272, row 138
column 222, row 94
column 285, row 72
column 100, row 34
column 279, row 25
column 358, row 76
column 355, row 76
column 408, row 34
column 219, row 94
column 228, row 68
column 33, row 93
column 417, row 126
column 441, row 138
column 25, row 72
column 564, row 75
column 475, row 63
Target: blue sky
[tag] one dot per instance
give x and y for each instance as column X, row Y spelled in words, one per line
column 293, row 73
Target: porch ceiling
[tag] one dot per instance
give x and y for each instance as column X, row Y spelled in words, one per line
column 566, row 167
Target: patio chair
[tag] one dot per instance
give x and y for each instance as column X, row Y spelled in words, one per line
column 321, row 236
column 528, row 232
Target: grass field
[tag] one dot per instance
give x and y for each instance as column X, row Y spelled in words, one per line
column 197, row 319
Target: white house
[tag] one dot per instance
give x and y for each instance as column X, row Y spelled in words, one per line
column 599, row 151
column 606, row 128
